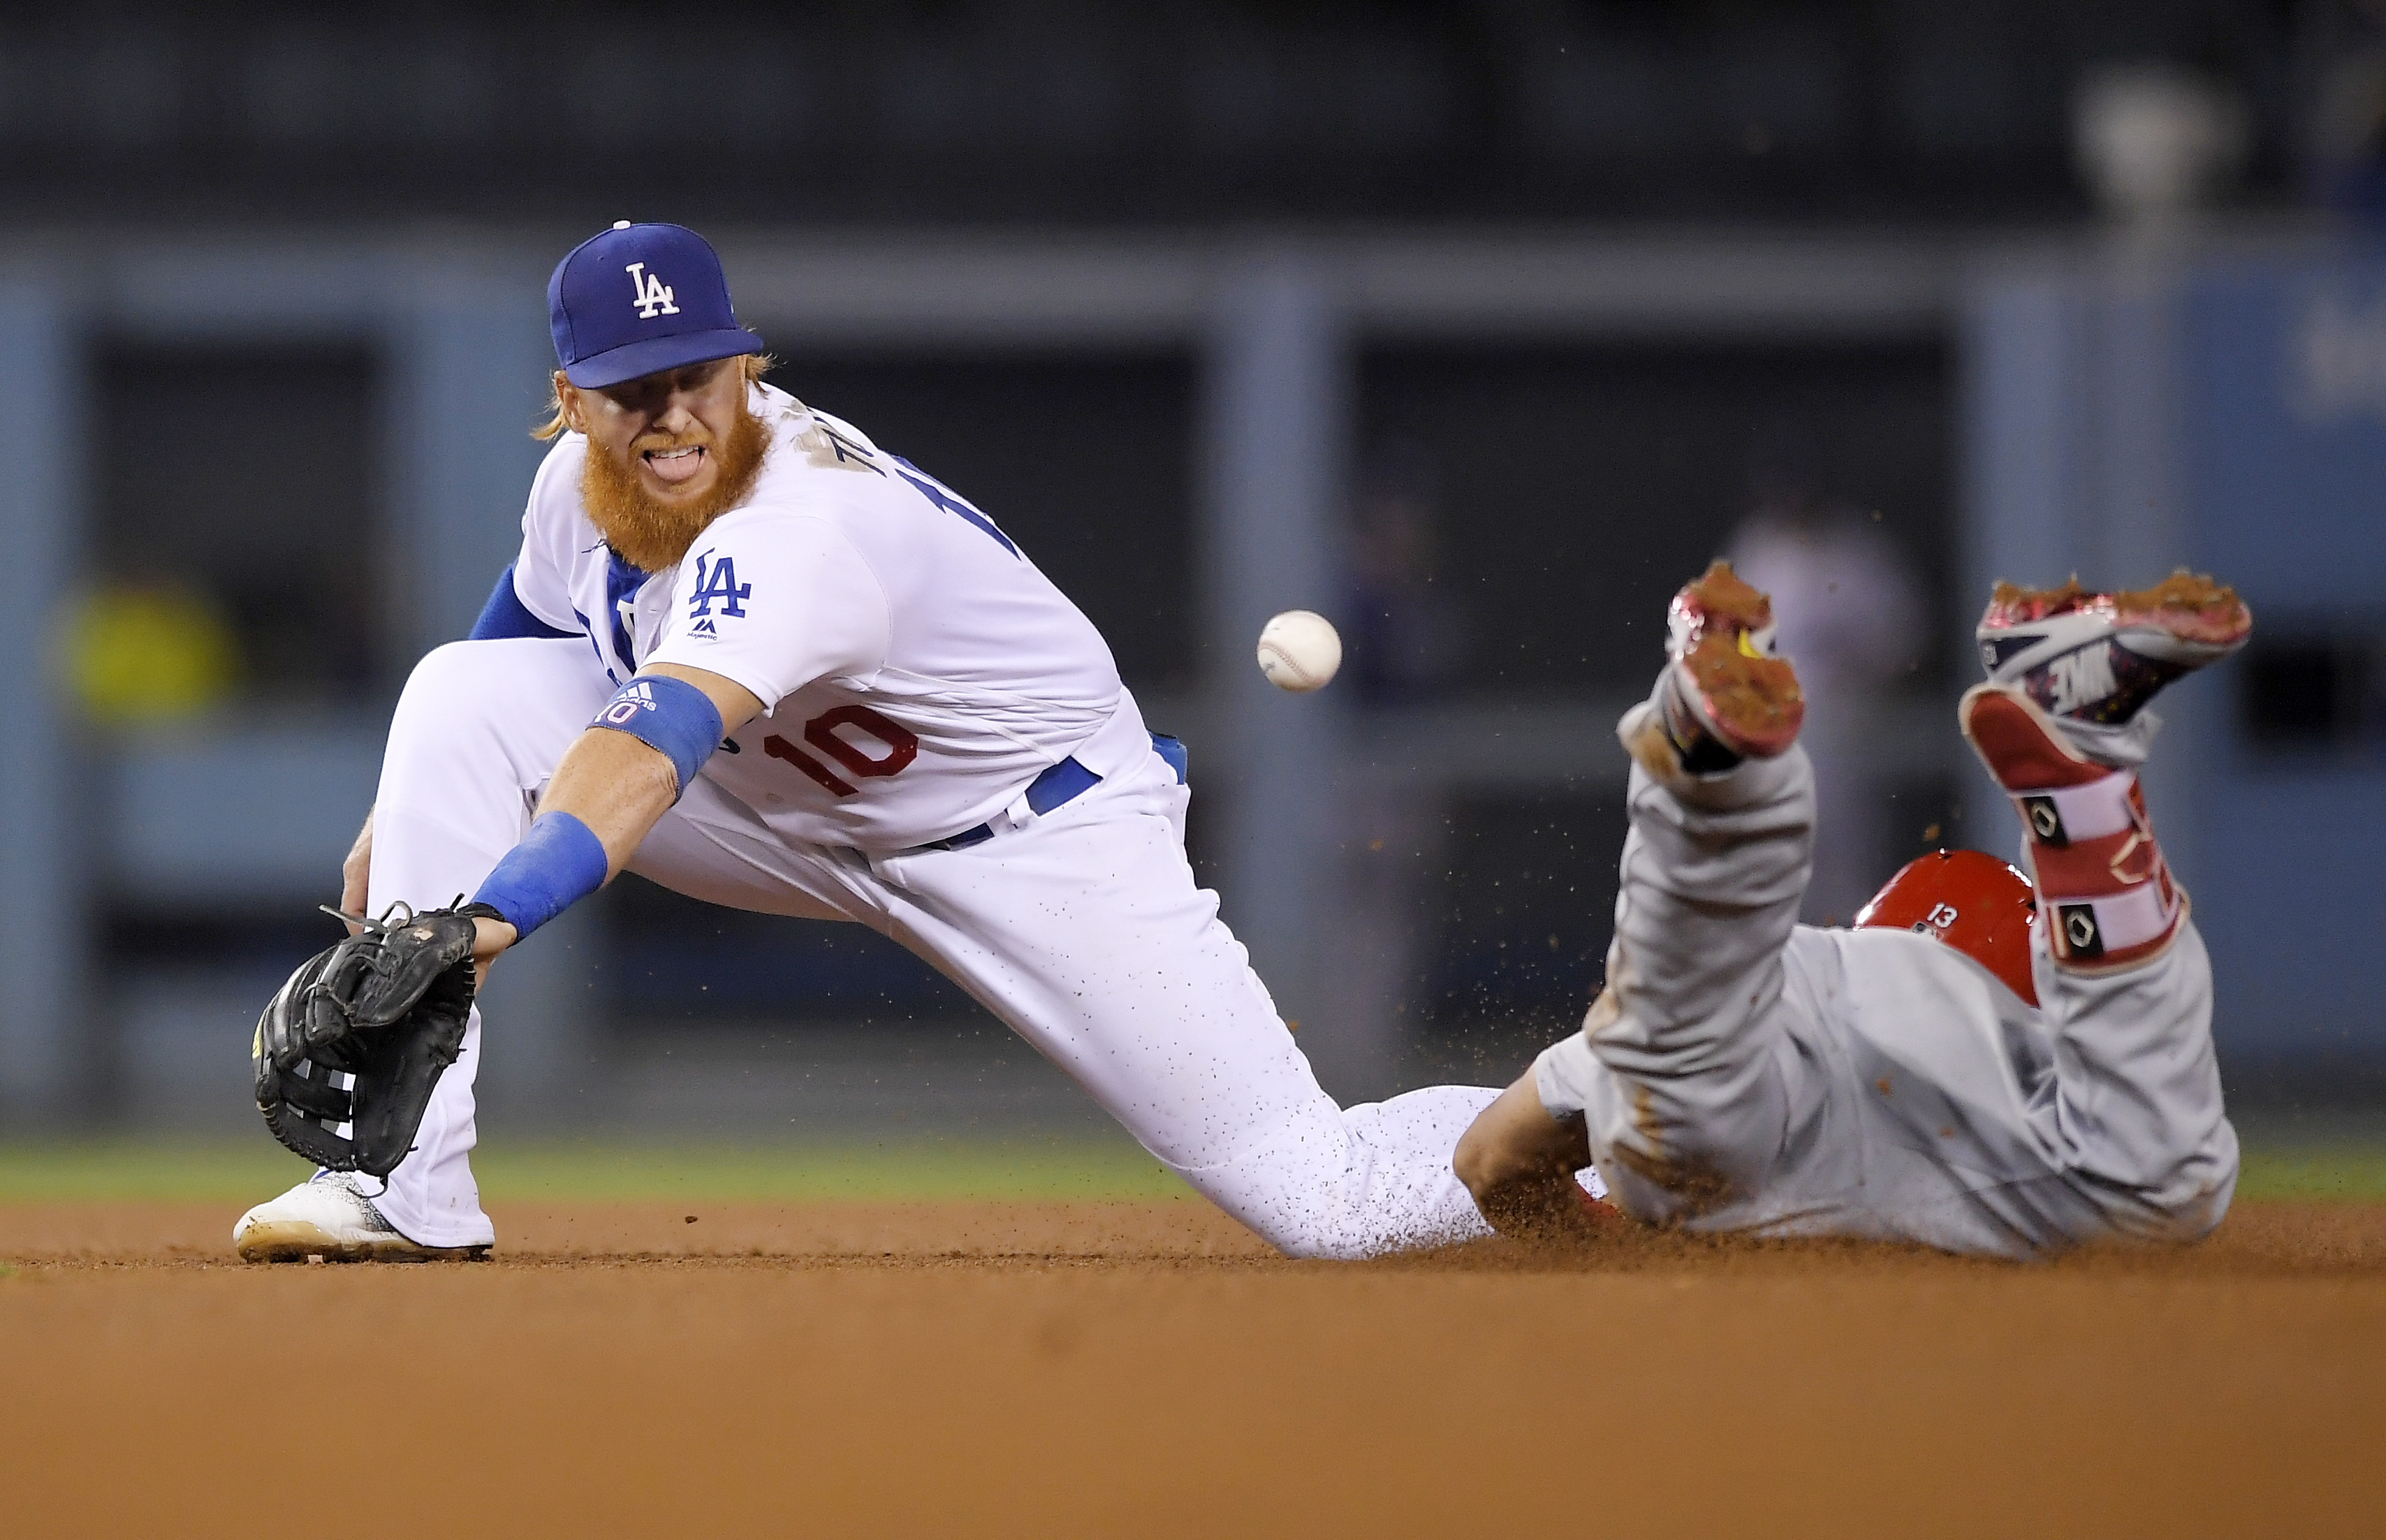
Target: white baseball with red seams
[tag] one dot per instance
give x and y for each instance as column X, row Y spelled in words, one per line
column 1299, row 650
column 921, row 673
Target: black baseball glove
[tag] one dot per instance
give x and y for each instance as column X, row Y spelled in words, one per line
column 360, row 1034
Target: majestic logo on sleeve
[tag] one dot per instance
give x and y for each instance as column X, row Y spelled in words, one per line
column 716, row 582
column 649, row 292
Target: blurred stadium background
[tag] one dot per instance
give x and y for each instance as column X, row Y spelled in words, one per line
column 1476, row 326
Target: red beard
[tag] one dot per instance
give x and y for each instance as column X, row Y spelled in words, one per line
column 648, row 534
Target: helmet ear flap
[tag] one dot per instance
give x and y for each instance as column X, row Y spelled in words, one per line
column 1980, row 906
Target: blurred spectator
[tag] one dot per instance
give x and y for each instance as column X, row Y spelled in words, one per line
column 1408, row 638
column 1849, row 615
column 1406, row 647
column 140, row 652
column 2156, row 140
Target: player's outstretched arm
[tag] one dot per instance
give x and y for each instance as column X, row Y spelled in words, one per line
column 624, row 772
column 1520, row 1163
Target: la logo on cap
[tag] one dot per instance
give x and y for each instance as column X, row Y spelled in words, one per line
column 667, row 325
column 649, row 292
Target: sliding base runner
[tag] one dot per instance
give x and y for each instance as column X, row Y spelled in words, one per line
column 1988, row 1062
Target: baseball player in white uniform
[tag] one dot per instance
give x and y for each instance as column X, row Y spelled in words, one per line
column 751, row 655
column 1938, row 1074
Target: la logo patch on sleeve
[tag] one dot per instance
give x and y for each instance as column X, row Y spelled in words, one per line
column 716, row 582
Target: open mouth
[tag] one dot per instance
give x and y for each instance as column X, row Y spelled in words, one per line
column 677, row 465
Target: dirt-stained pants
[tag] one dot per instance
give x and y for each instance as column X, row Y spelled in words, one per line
column 1742, row 1071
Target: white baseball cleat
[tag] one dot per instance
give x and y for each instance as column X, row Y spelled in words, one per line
column 327, row 1218
column 2094, row 660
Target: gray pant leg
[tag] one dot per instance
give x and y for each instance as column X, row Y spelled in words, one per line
column 1733, row 1078
column 2140, row 1127
column 1681, row 1068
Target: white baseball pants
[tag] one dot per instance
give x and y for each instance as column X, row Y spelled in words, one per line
column 1746, row 1072
column 1084, row 931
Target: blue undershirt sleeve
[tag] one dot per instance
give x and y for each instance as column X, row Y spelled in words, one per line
column 505, row 615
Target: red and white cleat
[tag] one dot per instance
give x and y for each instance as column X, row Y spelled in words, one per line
column 1725, row 695
column 2096, row 658
column 2105, row 897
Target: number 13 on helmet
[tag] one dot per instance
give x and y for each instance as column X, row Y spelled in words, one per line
column 1975, row 903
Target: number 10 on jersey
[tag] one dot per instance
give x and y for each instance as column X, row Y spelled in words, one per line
column 845, row 734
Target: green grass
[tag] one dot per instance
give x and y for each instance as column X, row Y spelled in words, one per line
column 2347, row 1171
column 586, row 1172
column 1023, row 1169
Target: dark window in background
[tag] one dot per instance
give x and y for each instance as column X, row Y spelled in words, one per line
column 675, row 959
column 2312, row 689
column 1524, row 910
column 247, row 474
column 1085, row 459
column 1570, row 492
column 1573, row 491
column 1517, row 923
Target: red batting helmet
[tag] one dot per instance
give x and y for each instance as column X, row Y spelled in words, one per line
column 1975, row 903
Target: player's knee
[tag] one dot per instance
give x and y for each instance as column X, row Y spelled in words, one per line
column 456, row 683
column 444, row 674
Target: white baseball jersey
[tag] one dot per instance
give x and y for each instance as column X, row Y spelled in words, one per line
column 922, row 673
column 917, row 669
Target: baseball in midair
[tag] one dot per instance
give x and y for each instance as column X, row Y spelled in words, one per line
column 1299, row 650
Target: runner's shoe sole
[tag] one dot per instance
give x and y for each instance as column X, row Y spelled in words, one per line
column 2100, row 656
column 1719, row 602
column 1752, row 706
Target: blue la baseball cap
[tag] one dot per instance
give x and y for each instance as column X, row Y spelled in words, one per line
column 640, row 298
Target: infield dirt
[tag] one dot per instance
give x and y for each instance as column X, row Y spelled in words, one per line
column 1149, row 1369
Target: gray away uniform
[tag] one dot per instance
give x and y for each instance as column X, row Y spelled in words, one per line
column 1744, row 1073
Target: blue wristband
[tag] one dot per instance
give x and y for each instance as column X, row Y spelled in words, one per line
column 669, row 715
column 560, row 862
